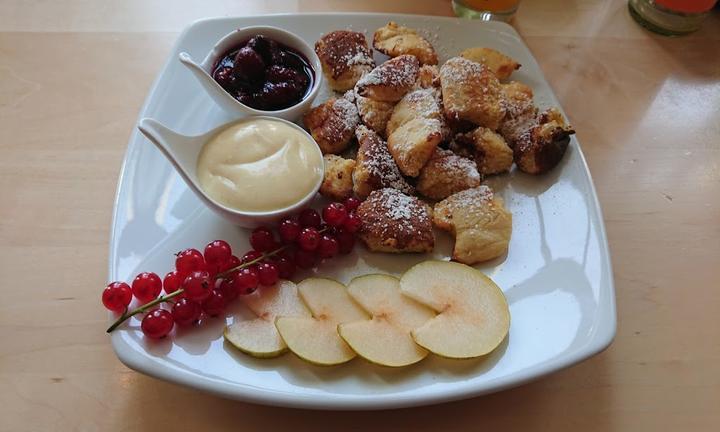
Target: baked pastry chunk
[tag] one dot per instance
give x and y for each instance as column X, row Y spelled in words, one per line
column 395, row 40
column 395, row 222
column 500, row 64
column 345, row 57
column 518, row 99
column 489, row 150
column 374, row 114
column 543, row 145
column 447, row 173
column 337, row 183
column 471, row 92
column 419, row 103
column 428, row 77
column 333, row 123
column 478, row 220
column 391, row 80
column 375, row 167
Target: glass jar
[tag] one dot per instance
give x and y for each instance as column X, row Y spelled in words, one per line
column 670, row 17
column 486, row 10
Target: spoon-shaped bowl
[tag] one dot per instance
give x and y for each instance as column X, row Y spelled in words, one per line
column 202, row 71
column 183, row 152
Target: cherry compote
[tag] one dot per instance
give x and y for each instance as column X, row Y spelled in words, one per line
column 264, row 74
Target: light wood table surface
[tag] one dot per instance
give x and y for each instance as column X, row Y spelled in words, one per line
column 73, row 75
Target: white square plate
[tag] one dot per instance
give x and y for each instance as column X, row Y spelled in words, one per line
column 556, row 276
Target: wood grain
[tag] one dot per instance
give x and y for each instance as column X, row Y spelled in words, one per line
column 73, row 75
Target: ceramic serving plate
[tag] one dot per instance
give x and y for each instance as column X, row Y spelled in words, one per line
column 557, row 275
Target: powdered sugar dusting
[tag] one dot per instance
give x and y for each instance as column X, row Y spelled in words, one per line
column 397, row 72
column 378, row 161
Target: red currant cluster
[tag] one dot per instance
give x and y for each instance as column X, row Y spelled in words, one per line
column 205, row 283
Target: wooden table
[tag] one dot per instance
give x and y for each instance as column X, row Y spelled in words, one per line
column 73, row 75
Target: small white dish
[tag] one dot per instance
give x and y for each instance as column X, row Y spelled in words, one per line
column 183, row 152
column 203, row 71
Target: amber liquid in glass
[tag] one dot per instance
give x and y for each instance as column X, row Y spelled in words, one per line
column 486, row 9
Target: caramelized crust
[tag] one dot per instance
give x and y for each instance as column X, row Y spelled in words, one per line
column 542, row 146
column 478, row 220
column 337, row 183
column 391, row 80
column 471, row 93
column 447, row 173
column 375, row 167
column 395, row 40
column 395, row 222
column 498, row 63
column 345, row 57
column 333, row 123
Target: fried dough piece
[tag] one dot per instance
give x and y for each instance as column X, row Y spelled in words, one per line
column 543, row 145
column 500, row 64
column 447, row 173
column 471, row 92
column 333, row 123
column 420, row 103
column 375, row 167
column 395, row 40
column 374, row 114
column 391, row 80
column 478, row 220
column 489, row 150
column 428, row 77
column 337, row 183
column 518, row 99
column 395, row 222
column 345, row 57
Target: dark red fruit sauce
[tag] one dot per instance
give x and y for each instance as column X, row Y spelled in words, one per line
column 264, row 74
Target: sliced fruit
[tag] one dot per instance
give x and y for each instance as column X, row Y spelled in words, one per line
column 316, row 339
column 473, row 314
column 385, row 339
column 259, row 337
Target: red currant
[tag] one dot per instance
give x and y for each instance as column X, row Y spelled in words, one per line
column 251, row 256
column 305, row 259
column 157, row 323
column 246, row 280
column 268, row 273
column 215, row 304
column 146, row 286
column 172, row 282
column 232, row 263
column 262, row 239
column 351, row 204
column 309, row 239
column 328, row 247
column 188, row 261
column 352, row 223
column 186, row 312
column 334, row 214
column 289, row 230
column 346, row 240
column 309, row 218
column 228, row 288
column 117, row 296
column 217, row 252
column 198, row 286
column 286, row 267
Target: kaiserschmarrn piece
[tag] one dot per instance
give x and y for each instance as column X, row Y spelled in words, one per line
column 500, row 64
column 345, row 57
column 447, row 173
column 518, row 99
column 478, row 220
column 489, row 150
column 396, row 40
column 375, row 167
column 395, row 222
column 428, row 77
column 337, row 183
column 333, row 123
column 471, row 92
column 374, row 114
column 391, row 80
column 542, row 146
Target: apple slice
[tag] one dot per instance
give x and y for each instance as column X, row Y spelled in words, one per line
column 385, row 339
column 473, row 314
column 259, row 337
column 316, row 339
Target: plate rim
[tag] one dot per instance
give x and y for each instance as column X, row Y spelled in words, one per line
column 134, row 360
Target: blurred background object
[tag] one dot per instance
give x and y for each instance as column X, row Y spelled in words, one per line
column 671, row 17
column 486, row 10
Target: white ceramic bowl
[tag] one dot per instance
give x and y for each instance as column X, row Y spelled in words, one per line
column 183, row 152
column 203, row 71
